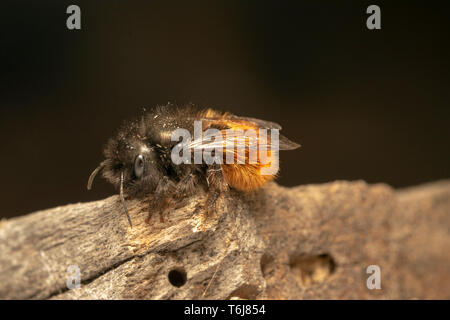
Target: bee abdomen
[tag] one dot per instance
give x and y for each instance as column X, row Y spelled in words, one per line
column 245, row 177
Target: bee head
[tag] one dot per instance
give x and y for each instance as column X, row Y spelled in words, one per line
column 131, row 163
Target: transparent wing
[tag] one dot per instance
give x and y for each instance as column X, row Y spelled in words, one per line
column 286, row 144
column 260, row 123
column 244, row 120
column 237, row 139
column 239, row 133
column 227, row 139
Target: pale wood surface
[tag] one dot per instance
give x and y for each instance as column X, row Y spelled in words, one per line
column 307, row 242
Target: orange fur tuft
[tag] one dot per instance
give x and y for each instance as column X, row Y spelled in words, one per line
column 246, row 176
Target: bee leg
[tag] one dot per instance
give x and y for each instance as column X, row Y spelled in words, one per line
column 211, row 202
column 160, row 201
column 216, row 186
column 147, row 220
column 164, row 204
column 186, row 186
column 163, row 210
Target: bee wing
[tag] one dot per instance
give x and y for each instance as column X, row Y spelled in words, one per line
column 244, row 121
column 286, row 144
column 231, row 139
column 260, row 123
column 236, row 122
column 230, row 142
column 233, row 131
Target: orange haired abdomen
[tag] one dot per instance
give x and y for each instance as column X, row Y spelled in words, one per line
column 243, row 177
column 248, row 177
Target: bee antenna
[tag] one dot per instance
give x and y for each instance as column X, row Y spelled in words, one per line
column 123, row 200
column 93, row 174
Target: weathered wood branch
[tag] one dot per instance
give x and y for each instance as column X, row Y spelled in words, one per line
column 306, row 242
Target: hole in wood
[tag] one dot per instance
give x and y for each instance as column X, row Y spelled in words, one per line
column 312, row 270
column 177, row 277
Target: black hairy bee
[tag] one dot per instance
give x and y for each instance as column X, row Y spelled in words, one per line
column 144, row 157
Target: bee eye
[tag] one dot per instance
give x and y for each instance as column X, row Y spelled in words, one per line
column 139, row 166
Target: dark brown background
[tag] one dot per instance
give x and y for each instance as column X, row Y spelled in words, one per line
column 370, row 105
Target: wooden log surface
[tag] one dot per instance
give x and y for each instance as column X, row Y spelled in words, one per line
column 306, row 242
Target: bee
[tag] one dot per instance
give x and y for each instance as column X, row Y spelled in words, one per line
column 144, row 157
